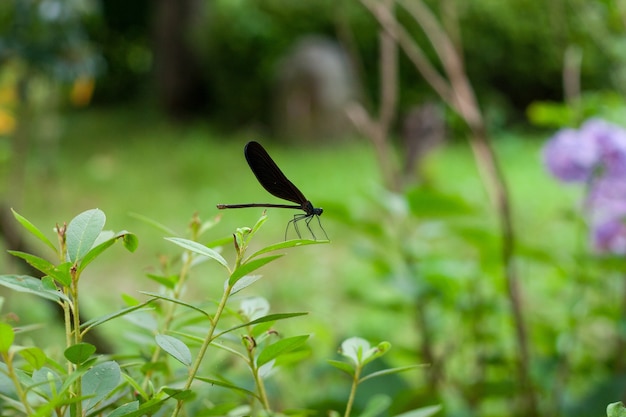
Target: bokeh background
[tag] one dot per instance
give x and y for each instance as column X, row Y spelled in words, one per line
column 416, row 125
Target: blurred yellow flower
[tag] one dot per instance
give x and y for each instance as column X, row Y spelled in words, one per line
column 82, row 91
column 7, row 122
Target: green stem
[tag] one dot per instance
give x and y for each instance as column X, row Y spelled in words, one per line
column 259, row 381
column 169, row 317
column 78, row 386
column 205, row 345
column 355, row 383
column 8, row 359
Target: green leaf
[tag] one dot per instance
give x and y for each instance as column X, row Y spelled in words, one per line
column 264, row 319
column 168, row 282
column 99, row 248
column 376, row 405
column 344, row 366
column 159, row 226
column 286, row 244
column 33, row 230
column 431, row 410
column 124, row 409
column 244, row 282
column 48, row 379
column 228, row 385
column 30, row 285
column 88, row 325
column 176, row 301
column 34, row 356
column 129, row 240
column 391, row 371
column 177, row 349
column 82, row 233
column 250, row 266
column 616, row 410
column 59, row 273
column 258, row 225
column 79, row 352
column 153, row 405
column 7, row 336
column 198, row 248
column 99, row 381
column 282, row 346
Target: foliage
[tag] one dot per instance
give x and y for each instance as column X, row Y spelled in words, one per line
column 37, row 383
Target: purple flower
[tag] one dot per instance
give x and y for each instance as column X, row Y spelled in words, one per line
column 571, row 156
column 606, row 200
column 610, row 237
column 610, row 140
column 596, row 155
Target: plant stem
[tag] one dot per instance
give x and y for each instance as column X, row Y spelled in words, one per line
column 75, row 314
column 8, row 360
column 259, row 381
column 205, row 345
column 355, row 383
column 169, row 317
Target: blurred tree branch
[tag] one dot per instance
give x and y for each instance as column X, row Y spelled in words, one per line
column 378, row 129
column 455, row 89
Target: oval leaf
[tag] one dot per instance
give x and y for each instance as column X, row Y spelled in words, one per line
column 82, row 232
column 101, row 247
column 34, row 356
column 177, row 349
column 99, row 381
column 79, row 352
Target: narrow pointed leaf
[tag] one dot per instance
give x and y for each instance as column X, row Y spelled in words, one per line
column 391, row 371
column 59, row 273
column 344, row 366
column 124, row 409
column 88, row 325
column 278, row 348
column 286, row 244
column 30, row 285
column 198, row 248
column 82, row 232
column 228, row 385
column 244, row 282
column 428, row 411
column 250, row 266
column 33, row 230
column 270, row 317
column 175, row 300
column 159, row 226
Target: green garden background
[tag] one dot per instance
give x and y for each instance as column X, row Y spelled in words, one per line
column 420, row 128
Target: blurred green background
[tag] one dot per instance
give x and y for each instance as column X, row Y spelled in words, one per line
column 144, row 107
